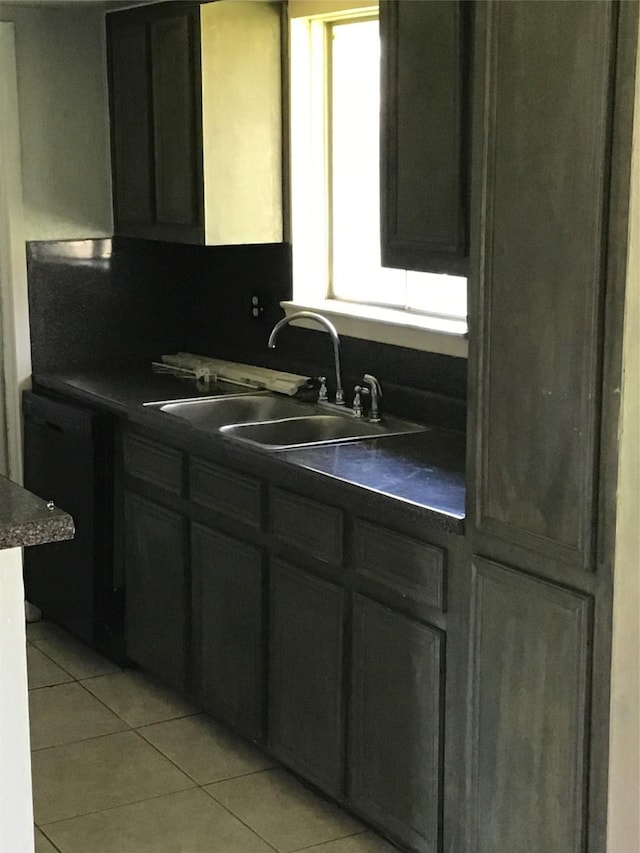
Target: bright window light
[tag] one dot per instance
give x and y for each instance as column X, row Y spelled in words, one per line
column 335, row 129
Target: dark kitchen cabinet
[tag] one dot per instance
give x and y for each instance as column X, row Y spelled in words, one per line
column 68, row 458
column 395, row 765
column 425, row 134
column 306, row 691
column 228, row 629
column 549, row 254
column 530, row 712
column 156, row 589
column 195, row 106
column 541, row 275
column 311, row 630
column 154, row 64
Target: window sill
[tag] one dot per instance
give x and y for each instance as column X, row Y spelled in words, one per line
column 386, row 326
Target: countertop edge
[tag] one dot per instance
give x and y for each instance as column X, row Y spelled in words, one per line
column 26, row 520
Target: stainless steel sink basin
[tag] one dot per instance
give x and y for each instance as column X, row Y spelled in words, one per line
column 214, row 413
column 316, row 429
column 277, row 423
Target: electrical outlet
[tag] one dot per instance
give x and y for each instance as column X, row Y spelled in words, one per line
column 257, row 308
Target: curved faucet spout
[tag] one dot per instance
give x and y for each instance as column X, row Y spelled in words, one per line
column 328, row 325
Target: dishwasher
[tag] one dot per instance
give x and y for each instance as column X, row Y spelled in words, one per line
column 69, row 459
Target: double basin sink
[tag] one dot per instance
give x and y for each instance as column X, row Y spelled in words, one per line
column 280, row 423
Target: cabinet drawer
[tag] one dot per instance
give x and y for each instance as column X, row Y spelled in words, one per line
column 228, row 492
column 412, row 568
column 311, row 526
column 153, row 462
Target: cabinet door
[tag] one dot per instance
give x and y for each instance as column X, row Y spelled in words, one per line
column 543, row 88
column 423, row 136
column 306, row 722
column 529, row 713
column 156, row 124
column 228, row 629
column 177, row 126
column 394, row 750
column 155, row 589
column 130, row 102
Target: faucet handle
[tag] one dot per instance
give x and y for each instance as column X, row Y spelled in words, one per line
column 358, row 391
column 323, row 395
column 376, row 393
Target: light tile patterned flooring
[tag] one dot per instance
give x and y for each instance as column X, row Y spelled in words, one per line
column 121, row 765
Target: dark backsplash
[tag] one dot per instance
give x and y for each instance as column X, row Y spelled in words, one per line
column 101, row 303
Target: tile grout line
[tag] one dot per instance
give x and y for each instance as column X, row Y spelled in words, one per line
column 81, row 740
column 186, row 772
column 239, row 819
column 42, row 652
column 43, row 826
column 297, row 849
column 312, row 847
column 55, row 846
column 68, row 671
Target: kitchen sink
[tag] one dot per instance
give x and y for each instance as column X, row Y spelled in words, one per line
column 277, row 423
column 316, row 429
column 213, row 413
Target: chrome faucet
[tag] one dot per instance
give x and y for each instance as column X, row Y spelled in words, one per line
column 376, row 393
column 328, row 325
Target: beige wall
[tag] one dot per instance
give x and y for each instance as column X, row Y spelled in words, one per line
column 62, row 93
column 624, row 759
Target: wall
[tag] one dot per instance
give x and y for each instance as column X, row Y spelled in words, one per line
column 16, row 811
column 15, row 361
column 62, row 94
column 624, row 759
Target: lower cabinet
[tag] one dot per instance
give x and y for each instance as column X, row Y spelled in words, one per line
column 530, row 712
column 156, row 632
column 306, row 696
column 395, row 721
column 340, row 679
column 228, row 635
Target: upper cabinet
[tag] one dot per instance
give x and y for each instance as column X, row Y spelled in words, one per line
column 424, row 135
column 544, row 88
column 196, row 128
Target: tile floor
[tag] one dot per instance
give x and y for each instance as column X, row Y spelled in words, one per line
column 121, row 765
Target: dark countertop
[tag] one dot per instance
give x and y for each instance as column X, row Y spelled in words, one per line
column 426, row 468
column 424, row 472
column 26, row 520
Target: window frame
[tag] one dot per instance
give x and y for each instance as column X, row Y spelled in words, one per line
column 310, row 132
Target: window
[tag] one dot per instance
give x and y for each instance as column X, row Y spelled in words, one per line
column 335, row 104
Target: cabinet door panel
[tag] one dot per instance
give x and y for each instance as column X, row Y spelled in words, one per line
column 529, row 701
column 394, row 753
column 306, row 725
column 131, row 121
column 178, row 175
column 423, row 168
column 155, row 589
column 228, row 627
column 548, row 69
